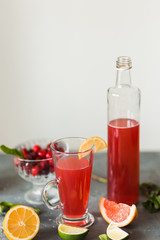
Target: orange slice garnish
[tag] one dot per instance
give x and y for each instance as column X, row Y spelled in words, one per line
column 99, row 144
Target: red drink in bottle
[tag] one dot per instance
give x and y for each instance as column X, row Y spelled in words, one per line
column 123, row 161
column 123, row 136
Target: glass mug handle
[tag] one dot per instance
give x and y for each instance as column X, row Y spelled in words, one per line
column 45, row 190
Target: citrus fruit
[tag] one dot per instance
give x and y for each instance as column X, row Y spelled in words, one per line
column 70, row 232
column 21, row 222
column 119, row 214
column 99, row 144
column 115, row 233
column 103, row 237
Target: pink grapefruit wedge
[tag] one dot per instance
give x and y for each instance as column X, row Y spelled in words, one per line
column 118, row 214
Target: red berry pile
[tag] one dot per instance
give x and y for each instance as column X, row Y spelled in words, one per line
column 38, row 166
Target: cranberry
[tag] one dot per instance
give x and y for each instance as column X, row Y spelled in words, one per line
column 47, row 164
column 51, row 162
column 17, row 165
column 45, row 171
column 29, row 156
column 51, row 169
column 35, row 170
column 25, row 152
column 48, row 147
column 36, row 148
column 42, row 154
column 28, row 168
column 21, row 164
column 56, row 146
column 33, row 154
column 48, row 155
column 42, row 164
column 61, row 149
column 17, row 162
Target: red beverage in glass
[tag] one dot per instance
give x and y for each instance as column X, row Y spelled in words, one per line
column 73, row 170
column 74, row 176
column 123, row 161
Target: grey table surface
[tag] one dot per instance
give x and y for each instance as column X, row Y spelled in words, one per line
column 146, row 226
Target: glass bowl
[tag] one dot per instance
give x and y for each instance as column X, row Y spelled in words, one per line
column 36, row 170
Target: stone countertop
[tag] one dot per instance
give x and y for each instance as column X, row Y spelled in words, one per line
column 146, row 226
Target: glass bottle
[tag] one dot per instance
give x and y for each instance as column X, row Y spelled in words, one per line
column 123, row 136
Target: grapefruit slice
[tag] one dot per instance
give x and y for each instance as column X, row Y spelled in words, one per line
column 118, row 214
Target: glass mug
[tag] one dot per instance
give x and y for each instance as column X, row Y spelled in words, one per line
column 73, row 170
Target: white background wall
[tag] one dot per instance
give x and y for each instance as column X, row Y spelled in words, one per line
column 57, row 59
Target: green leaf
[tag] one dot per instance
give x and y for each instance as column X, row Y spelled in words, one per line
column 12, row 151
column 103, row 237
column 3, row 209
column 152, row 204
column 5, row 206
column 152, row 191
column 38, row 211
column 149, row 188
column 158, row 199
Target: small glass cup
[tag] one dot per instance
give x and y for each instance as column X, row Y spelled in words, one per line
column 73, row 171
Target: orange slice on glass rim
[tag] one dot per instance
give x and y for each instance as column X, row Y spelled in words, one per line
column 21, row 223
column 99, row 144
column 118, row 214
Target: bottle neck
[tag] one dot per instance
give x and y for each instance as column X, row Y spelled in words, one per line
column 123, row 77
